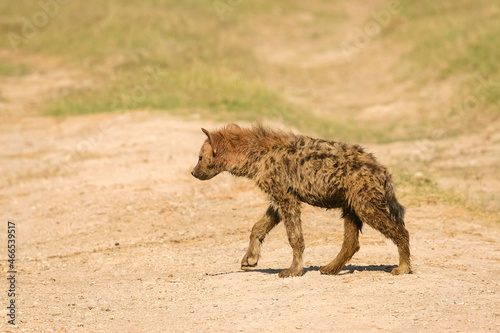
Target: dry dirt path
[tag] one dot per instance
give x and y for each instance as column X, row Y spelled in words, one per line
column 114, row 235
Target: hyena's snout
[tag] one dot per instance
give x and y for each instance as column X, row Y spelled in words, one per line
column 202, row 175
column 195, row 173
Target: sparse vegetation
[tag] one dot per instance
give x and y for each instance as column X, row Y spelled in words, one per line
column 460, row 40
column 7, row 68
column 210, row 60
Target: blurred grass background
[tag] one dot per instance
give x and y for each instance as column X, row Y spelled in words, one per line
column 223, row 62
column 211, row 63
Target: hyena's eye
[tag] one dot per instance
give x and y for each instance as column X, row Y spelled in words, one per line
column 200, row 158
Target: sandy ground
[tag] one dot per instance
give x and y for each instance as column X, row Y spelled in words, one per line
column 115, row 235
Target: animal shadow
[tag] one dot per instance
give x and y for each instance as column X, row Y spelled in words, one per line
column 348, row 269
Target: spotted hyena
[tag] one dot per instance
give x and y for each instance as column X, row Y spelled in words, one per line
column 292, row 169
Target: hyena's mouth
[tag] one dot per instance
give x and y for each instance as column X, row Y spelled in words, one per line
column 201, row 176
column 196, row 175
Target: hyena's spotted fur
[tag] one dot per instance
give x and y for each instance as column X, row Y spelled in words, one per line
column 292, row 169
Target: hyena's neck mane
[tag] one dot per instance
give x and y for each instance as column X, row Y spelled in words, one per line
column 261, row 139
column 246, row 146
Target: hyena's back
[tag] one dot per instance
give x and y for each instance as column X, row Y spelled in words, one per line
column 327, row 174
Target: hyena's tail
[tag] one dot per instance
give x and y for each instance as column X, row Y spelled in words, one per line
column 396, row 210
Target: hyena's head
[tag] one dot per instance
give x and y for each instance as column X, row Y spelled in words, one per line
column 208, row 167
column 217, row 154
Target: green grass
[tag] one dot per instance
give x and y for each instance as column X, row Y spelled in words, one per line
column 207, row 64
column 203, row 66
column 456, row 39
column 415, row 190
column 7, row 68
column 419, row 190
column 454, row 36
column 211, row 66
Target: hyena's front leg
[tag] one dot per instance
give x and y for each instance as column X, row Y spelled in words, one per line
column 291, row 218
column 259, row 232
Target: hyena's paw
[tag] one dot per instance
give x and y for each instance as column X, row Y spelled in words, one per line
column 249, row 261
column 330, row 270
column 401, row 270
column 289, row 273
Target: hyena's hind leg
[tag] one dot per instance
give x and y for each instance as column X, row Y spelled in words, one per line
column 400, row 236
column 395, row 231
column 352, row 225
column 259, row 232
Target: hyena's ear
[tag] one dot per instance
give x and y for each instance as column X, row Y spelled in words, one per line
column 207, row 133
column 212, row 143
column 232, row 126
